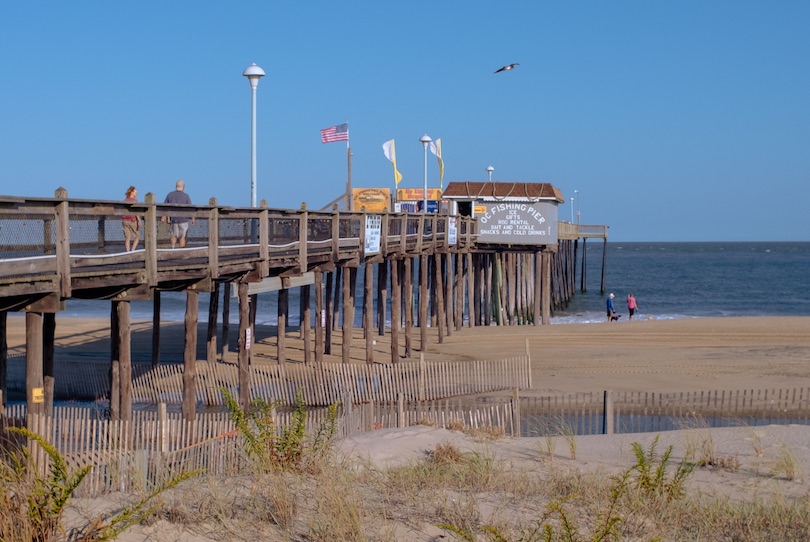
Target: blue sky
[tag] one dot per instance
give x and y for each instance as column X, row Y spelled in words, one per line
column 675, row 121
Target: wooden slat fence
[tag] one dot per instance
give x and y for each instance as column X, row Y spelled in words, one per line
column 154, row 445
column 326, row 384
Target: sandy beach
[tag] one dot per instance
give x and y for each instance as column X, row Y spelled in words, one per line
column 656, row 355
column 645, row 355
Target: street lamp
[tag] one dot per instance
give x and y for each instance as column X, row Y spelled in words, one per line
column 425, row 141
column 572, row 209
column 576, row 193
column 490, row 169
column 253, row 73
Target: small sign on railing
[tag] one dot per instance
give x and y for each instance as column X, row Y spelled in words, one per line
column 373, row 234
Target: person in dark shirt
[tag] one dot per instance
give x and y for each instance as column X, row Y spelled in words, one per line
column 178, row 224
column 611, row 311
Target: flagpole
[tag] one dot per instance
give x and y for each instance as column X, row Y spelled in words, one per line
column 349, row 202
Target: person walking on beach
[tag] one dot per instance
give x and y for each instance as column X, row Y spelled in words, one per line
column 611, row 312
column 131, row 223
column 178, row 224
column 632, row 306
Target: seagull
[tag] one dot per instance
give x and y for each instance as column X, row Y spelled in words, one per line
column 507, row 68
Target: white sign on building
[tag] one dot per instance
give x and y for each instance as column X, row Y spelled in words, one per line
column 518, row 223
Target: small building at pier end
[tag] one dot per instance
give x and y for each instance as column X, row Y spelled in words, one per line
column 514, row 213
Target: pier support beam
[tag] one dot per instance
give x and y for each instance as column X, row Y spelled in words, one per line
column 368, row 307
column 226, row 321
column 211, row 331
column 320, row 316
column 306, row 329
column 396, row 307
column 423, row 296
column 244, row 346
column 48, row 338
column 546, row 284
column 327, row 346
column 408, row 305
column 156, row 330
column 382, row 295
column 439, row 296
column 3, row 359
column 604, row 266
column 190, row 356
column 33, row 363
column 281, row 333
column 582, row 285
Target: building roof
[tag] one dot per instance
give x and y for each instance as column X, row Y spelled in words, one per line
column 498, row 191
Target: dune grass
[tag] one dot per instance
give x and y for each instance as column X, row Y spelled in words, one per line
column 299, row 490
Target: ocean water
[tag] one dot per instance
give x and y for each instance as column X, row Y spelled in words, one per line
column 693, row 280
column 669, row 280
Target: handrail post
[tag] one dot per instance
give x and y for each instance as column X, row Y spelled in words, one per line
column 363, row 234
column 150, row 240
column 384, row 233
column 403, row 234
column 335, row 235
column 213, row 239
column 303, row 238
column 420, row 230
column 264, row 239
column 62, row 216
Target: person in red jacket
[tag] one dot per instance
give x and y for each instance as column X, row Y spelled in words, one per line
column 632, row 306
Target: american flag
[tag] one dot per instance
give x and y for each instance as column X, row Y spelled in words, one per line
column 335, row 133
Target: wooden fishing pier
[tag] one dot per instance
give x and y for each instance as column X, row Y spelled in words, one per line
column 437, row 270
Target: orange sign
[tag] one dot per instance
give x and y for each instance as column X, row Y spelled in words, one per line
column 418, row 194
column 371, row 200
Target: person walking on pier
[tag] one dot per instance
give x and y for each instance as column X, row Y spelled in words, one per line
column 131, row 223
column 178, row 224
column 632, row 306
column 611, row 311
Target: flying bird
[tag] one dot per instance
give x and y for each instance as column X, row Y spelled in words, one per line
column 507, row 68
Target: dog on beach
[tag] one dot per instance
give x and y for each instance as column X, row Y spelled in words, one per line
column 615, row 317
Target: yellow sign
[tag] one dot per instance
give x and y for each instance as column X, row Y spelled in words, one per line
column 38, row 395
column 480, row 210
column 418, row 194
column 371, row 200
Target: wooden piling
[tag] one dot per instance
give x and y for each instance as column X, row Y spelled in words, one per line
column 189, row 406
column 306, row 317
column 156, row 329
column 408, row 306
column 396, row 306
column 211, row 330
column 48, row 336
column 33, row 362
column 423, row 292
column 244, row 343
column 281, row 333
column 368, row 308
column 320, row 316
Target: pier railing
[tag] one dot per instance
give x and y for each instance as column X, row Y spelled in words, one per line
column 566, row 231
column 60, row 244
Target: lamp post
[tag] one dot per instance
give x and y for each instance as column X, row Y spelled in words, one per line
column 490, row 169
column 572, row 209
column 576, row 193
column 425, row 141
column 253, row 73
